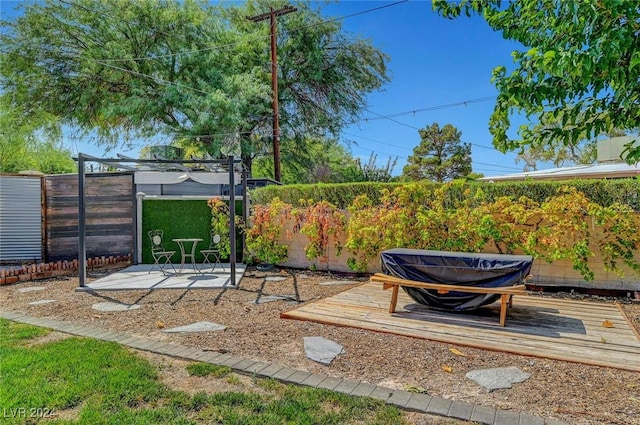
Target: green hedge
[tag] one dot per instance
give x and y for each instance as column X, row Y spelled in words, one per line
column 339, row 194
column 602, row 192
column 179, row 219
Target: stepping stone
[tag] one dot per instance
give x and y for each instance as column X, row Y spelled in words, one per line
column 275, row 278
column 31, row 289
column 498, row 378
column 337, row 282
column 272, row 298
column 203, row 326
column 109, row 306
column 42, row 302
column 321, row 350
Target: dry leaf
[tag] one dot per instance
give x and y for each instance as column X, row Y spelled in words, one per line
column 414, row 389
column 457, row 352
column 447, row 369
column 608, row 324
column 159, row 324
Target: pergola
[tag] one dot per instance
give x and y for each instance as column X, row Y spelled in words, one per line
column 159, row 164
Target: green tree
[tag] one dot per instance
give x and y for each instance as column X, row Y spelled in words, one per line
column 309, row 160
column 557, row 151
column 440, row 156
column 31, row 145
column 581, row 68
column 197, row 73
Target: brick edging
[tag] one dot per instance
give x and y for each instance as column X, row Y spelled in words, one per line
column 39, row 271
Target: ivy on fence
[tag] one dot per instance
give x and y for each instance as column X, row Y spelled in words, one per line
column 456, row 217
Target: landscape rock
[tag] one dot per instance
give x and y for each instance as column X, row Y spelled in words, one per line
column 321, row 350
column 109, row 306
column 498, row 378
column 202, row 326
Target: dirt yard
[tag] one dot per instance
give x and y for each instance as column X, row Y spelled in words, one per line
column 569, row 392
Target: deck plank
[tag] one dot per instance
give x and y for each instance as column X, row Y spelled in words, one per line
column 545, row 327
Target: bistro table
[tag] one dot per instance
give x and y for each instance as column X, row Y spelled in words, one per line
column 185, row 254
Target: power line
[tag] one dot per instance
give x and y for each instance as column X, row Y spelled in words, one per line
column 493, row 167
column 167, row 82
column 434, row 108
column 404, row 147
column 387, row 117
column 150, row 77
column 404, row 157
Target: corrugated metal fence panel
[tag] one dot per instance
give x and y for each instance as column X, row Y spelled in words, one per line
column 109, row 215
column 20, row 218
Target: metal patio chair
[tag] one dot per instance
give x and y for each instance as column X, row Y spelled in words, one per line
column 161, row 256
column 212, row 254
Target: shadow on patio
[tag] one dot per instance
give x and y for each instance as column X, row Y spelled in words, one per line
column 138, row 278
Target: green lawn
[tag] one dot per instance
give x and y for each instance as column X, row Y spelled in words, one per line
column 85, row 381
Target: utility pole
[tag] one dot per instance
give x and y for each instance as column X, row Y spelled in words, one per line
column 272, row 14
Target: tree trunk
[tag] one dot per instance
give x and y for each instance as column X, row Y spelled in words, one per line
column 247, row 161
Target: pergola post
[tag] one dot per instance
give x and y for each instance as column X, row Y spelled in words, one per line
column 245, row 209
column 82, row 246
column 232, row 219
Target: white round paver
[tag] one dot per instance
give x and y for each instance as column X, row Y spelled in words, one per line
column 203, row 326
column 42, row 302
column 109, row 306
column 31, row 289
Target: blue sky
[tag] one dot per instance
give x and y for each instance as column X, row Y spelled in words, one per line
column 434, row 62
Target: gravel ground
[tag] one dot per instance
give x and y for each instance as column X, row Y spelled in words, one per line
column 574, row 393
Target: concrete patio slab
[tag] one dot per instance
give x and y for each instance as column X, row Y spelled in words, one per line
column 139, row 277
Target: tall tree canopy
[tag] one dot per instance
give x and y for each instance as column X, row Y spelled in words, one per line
column 197, row 73
column 440, row 156
column 581, row 69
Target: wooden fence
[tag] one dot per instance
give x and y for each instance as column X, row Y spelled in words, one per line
column 110, row 215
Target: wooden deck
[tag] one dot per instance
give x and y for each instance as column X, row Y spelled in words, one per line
column 545, row 327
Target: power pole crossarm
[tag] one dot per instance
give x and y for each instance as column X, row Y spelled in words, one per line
column 271, row 15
